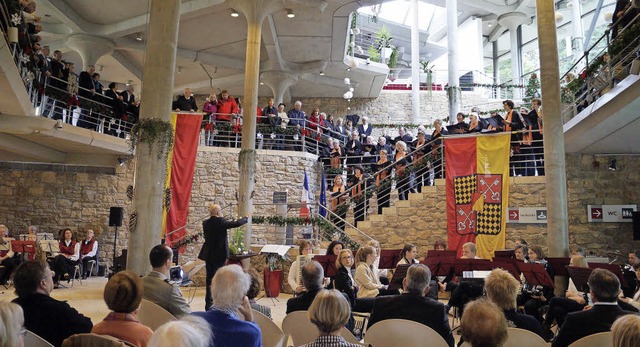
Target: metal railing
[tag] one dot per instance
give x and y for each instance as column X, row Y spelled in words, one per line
column 600, row 68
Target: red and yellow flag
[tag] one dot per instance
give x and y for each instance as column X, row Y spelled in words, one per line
column 181, row 163
column 477, row 172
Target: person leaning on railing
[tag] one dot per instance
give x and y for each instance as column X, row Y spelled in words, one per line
column 401, row 161
column 338, row 197
column 383, row 180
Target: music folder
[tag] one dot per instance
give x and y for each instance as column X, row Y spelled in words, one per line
column 448, row 253
column 460, row 128
column 328, row 263
column 462, row 265
column 580, row 277
column 559, row 265
column 389, row 258
column 504, row 254
column 535, row 274
column 398, row 275
column 495, row 122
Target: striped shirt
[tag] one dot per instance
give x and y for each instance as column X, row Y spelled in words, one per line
column 330, row 341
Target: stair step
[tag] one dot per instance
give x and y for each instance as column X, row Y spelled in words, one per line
column 402, row 203
column 351, row 231
column 415, row 196
column 389, row 210
column 365, row 224
column 428, row 190
column 440, row 182
column 376, row 218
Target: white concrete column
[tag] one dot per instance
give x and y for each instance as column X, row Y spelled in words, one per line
column 255, row 11
column 452, row 59
column 90, row 48
column 160, row 59
column 415, row 64
column 279, row 82
column 554, row 153
column 577, row 31
column 512, row 21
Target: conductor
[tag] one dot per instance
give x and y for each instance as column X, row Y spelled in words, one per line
column 215, row 249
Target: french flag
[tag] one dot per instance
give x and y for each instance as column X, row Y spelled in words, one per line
column 304, row 199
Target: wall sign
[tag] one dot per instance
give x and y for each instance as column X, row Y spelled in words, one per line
column 611, row 213
column 527, row 215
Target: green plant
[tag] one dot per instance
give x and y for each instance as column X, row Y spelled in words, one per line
column 383, row 38
column 152, row 131
column 374, row 54
column 274, row 260
column 426, row 68
column 393, row 60
column 236, row 244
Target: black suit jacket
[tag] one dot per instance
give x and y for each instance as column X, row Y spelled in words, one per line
column 216, row 244
column 51, row 319
column 524, row 321
column 583, row 323
column 86, row 83
column 303, row 302
column 416, row 308
column 343, row 283
column 184, row 104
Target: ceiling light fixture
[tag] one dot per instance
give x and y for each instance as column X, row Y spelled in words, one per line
column 261, row 83
column 613, row 166
column 139, row 37
column 234, row 13
column 179, row 69
column 489, row 25
column 321, row 73
column 290, row 13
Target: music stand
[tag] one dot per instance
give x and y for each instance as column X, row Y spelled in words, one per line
column 504, row 254
column 24, row 248
column 50, row 246
column 535, row 274
column 580, row 277
column 509, row 265
column 439, row 266
column 613, row 268
column 389, row 258
column 398, row 276
column 462, row 265
column 448, row 253
column 559, row 265
column 328, row 263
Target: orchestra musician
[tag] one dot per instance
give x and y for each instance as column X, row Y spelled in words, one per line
column 6, row 255
column 533, row 297
column 383, row 181
column 295, row 272
column 65, row 262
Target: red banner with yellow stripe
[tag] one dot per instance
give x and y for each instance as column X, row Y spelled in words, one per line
column 181, row 163
column 477, row 177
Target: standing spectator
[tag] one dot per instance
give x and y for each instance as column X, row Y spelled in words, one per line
column 45, row 316
column 483, row 324
column 185, row 102
column 215, row 249
column 228, row 290
column 270, row 114
column 96, row 84
column 87, row 88
column 210, row 109
column 604, row 287
column 227, row 107
column 157, row 288
column 88, row 252
column 123, row 295
column 132, row 106
column 535, row 116
column 297, row 119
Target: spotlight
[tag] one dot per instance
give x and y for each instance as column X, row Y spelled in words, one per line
column 122, row 161
column 261, row 83
column 234, row 13
column 179, row 69
column 139, row 37
column 613, row 166
column 321, row 73
column 290, row 13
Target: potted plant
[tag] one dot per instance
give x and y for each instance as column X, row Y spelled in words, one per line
column 236, row 243
column 383, row 42
column 426, row 72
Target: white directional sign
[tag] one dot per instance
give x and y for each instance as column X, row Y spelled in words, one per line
column 528, row 215
column 611, row 213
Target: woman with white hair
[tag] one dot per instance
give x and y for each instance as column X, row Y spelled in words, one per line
column 11, row 325
column 474, row 126
column 190, row 331
column 364, row 129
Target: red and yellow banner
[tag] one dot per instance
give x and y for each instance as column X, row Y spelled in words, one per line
column 477, row 173
column 181, row 163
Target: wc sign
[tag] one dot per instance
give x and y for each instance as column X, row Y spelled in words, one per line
column 611, row 213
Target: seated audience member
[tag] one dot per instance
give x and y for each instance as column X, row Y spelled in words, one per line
column 413, row 304
column 329, row 312
column 534, row 297
column 68, row 258
column 408, row 255
column 483, row 324
column 123, row 295
column 185, row 102
column 343, row 282
column 502, row 289
column 312, row 276
column 576, row 250
column 157, row 289
column 293, row 278
column 335, row 247
column 626, row 331
column 573, row 301
column 189, row 331
column 6, row 255
column 604, row 287
column 11, row 325
column 252, row 293
column 88, row 251
column 366, row 278
column 228, row 290
column 45, row 316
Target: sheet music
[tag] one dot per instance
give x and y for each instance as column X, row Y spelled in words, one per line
column 44, row 236
column 279, row 249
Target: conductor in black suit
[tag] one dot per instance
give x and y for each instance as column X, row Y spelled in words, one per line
column 414, row 305
column 215, row 249
column 604, row 287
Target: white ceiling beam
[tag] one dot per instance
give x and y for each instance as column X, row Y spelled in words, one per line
column 128, row 64
column 30, row 149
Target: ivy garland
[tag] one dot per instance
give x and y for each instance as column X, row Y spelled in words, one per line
column 152, row 131
column 328, row 231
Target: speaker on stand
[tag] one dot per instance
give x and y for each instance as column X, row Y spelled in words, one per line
column 116, row 215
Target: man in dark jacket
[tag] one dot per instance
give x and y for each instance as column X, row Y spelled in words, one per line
column 604, row 287
column 185, row 102
column 414, row 305
column 45, row 316
column 215, row 249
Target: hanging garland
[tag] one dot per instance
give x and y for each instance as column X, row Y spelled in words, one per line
column 152, row 131
column 327, row 230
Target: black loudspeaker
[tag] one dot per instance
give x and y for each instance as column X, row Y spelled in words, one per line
column 115, row 216
column 636, row 225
